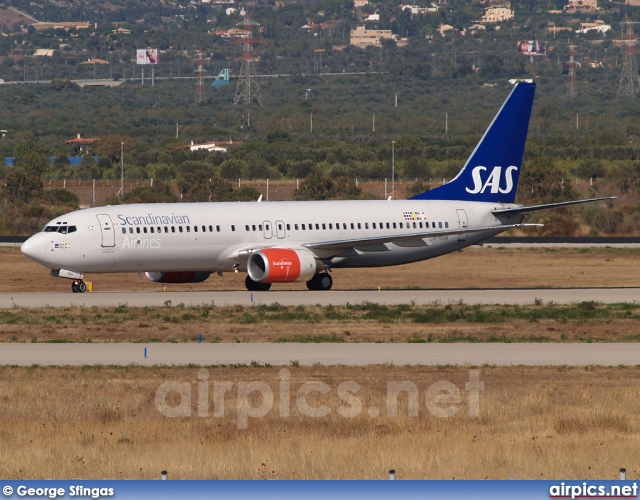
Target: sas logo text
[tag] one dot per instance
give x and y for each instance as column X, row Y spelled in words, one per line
column 493, row 181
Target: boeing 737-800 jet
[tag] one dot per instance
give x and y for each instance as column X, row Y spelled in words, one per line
column 277, row 242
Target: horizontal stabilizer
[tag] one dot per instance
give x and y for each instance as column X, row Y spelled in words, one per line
column 535, row 208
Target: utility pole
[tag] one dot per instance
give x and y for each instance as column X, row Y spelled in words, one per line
column 393, row 170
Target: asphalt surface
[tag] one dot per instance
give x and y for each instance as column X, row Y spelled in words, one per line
column 334, row 297
column 326, row 354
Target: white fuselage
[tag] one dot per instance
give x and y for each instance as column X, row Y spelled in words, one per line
column 213, row 236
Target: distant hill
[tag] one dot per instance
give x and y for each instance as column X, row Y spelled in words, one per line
column 10, row 16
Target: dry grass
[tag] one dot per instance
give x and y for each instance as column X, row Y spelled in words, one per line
column 486, row 267
column 533, row 423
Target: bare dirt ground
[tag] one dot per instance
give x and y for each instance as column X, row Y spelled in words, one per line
column 476, row 267
column 531, row 423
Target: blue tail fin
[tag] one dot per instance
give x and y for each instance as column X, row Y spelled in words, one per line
column 493, row 169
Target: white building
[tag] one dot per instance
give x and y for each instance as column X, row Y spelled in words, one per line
column 497, row 15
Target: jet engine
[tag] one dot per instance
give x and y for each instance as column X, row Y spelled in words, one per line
column 178, row 276
column 282, row 265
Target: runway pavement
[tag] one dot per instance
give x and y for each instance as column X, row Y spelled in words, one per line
column 337, row 297
column 325, row 354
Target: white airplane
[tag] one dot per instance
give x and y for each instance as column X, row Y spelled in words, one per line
column 279, row 242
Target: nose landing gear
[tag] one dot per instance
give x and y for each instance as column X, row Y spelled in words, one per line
column 78, row 286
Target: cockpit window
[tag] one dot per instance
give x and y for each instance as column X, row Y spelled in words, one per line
column 60, row 229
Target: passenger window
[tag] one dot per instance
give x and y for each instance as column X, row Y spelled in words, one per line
column 414, row 225
column 330, row 225
column 374, row 225
column 166, row 229
column 295, row 226
column 253, row 227
column 124, row 230
column 138, row 230
column 247, row 227
column 233, row 227
column 420, row 225
column 446, row 224
column 180, row 228
column 394, row 225
column 152, row 229
column 204, row 229
column 401, row 225
column 352, row 226
column 426, row 224
column 440, row 225
column 288, row 227
column 366, row 225
column 195, row 229
column 317, row 227
column 144, row 229
column 188, row 229
column 324, row 226
column 303, row 228
column 338, row 225
column 217, row 228
column 359, row 226
column 433, row 225
column 173, row 229
column 387, row 225
column 266, row 227
column 260, row 227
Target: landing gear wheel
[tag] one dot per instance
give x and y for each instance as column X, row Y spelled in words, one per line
column 254, row 286
column 78, row 286
column 320, row 281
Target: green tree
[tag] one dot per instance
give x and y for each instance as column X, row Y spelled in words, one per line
column 111, row 145
column 232, row 168
column 314, row 187
column 33, row 163
column 22, row 186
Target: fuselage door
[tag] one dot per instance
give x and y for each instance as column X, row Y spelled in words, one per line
column 106, row 228
column 268, row 230
column 280, row 232
column 464, row 223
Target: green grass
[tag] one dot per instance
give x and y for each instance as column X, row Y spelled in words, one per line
column 583, row 312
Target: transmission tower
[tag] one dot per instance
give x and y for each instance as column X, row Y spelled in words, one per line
column 200, row 82
column 248, row 88
column 571, row 84
column 629, row 65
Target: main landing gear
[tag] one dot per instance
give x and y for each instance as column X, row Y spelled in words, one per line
column 320, row 281
column 78, row 286
column 254, row 286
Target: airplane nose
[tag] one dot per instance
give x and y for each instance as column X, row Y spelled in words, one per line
column 33, row 248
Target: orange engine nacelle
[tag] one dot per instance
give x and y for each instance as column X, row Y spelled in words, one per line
column 281, row 265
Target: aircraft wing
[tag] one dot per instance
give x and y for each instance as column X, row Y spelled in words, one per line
column 534, row 208
column 405, row 239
